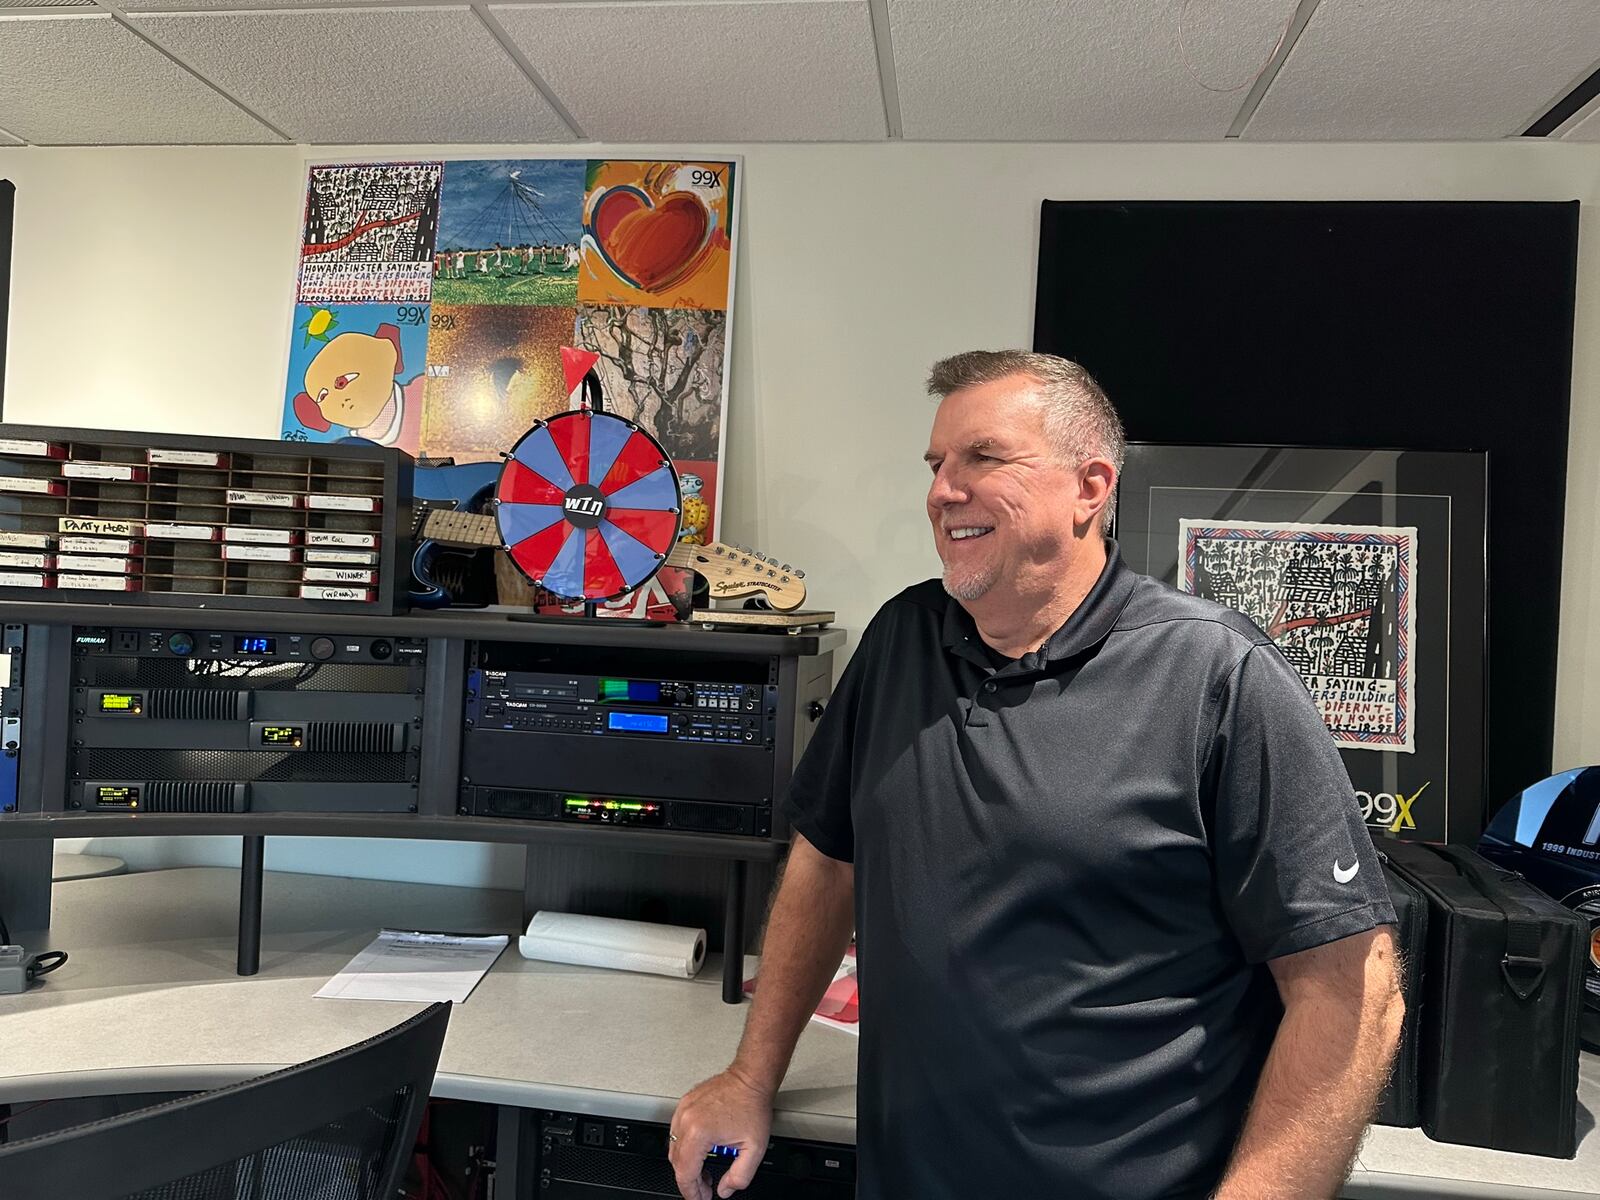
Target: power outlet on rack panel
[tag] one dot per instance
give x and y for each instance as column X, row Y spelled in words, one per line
column 125, row 641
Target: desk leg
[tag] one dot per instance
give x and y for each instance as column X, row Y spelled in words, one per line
column 250, row 864
column 733, row 934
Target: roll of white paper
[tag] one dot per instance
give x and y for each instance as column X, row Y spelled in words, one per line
column 585, row 941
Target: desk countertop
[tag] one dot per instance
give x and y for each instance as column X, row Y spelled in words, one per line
column 149, row 1001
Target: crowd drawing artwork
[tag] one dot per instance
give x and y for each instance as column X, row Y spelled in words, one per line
column 1339, row 601
column 369, row 232
column 433, row 300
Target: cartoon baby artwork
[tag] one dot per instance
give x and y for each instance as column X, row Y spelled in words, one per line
column 351, row 367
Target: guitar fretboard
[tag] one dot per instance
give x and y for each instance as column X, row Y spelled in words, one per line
column 457, row 528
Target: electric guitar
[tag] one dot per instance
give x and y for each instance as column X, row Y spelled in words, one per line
column 440, row 576
column 731, row 572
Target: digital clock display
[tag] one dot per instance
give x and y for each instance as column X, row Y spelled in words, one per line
column 251, row 643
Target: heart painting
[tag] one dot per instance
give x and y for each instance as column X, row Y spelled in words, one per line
column 651, row 245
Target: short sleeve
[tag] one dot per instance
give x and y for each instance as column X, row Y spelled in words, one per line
column 1295, row 865
column 818, row 801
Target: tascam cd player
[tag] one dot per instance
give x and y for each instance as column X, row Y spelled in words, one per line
column 585, row 733
column 669, row 709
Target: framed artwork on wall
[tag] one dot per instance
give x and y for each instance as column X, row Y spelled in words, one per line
column 1367, row 568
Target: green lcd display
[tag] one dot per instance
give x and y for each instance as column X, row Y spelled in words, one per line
column 121, row 702
column 280, row 735
column 117, row 795
column 637, row 690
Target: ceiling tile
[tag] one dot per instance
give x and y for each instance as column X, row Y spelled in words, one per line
column 1398, row 70
column 708, row 72
column 376, row 75
column 7, row 140
column 166, row 6
column 1077, row 70
column 86, row 80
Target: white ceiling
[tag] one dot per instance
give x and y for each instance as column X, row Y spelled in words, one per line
column 91, row 72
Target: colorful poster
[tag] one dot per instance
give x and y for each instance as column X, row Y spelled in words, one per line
column 657, row 235
column 509, row 232
column 433, row 299
column 662, row 368
column 1339, row 602
column 356, row 370
column 493, row 370
column 368, row 234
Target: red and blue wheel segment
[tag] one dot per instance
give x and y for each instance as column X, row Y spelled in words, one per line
column 588, row 505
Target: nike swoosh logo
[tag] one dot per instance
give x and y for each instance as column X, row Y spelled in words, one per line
column 1340, row 875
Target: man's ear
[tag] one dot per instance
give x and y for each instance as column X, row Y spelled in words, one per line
column 1097, row 480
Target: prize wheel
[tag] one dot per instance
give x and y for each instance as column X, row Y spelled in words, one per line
column 588, row 505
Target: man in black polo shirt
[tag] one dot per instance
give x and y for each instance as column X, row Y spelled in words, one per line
column 1122, row 932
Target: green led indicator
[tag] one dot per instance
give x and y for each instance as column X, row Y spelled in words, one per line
column 576, row 802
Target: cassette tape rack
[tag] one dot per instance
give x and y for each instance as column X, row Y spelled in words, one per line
column 96, row 515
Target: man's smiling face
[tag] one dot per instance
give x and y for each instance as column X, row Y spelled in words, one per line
column 1001, row 501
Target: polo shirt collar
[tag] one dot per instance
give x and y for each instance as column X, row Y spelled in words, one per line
column 1087, row 627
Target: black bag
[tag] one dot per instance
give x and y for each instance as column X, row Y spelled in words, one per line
column 1501, row 995
column 1398, row 1104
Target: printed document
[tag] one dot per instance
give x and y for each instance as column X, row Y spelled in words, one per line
column 406, row 965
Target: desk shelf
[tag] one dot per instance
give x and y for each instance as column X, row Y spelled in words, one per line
column 495, row 624
column 391, row 825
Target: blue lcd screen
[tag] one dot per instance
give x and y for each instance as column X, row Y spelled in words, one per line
column 644, row 693
column 638, row 722
column 255, row 645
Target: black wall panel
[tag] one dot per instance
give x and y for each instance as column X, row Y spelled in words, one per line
column 8, row 197
column 1403, row 325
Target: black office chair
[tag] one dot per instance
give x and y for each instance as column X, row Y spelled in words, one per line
column 340, row 1127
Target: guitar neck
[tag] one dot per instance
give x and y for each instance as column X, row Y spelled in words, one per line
column 454, row 528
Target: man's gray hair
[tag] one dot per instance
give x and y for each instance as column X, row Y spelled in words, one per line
column 1078, row 416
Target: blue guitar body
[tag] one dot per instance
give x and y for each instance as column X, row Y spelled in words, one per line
column 466, row 488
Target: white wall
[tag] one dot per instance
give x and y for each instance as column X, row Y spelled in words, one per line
column 151, row 288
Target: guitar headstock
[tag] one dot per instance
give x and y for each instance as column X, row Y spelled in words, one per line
column 733, row 572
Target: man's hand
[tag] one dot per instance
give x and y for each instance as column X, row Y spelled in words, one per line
column 725, row 1110
column 806, row 936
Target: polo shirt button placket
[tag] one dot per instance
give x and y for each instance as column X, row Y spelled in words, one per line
column 977, row 710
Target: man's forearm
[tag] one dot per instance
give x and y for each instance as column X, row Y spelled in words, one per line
column 1316, row 1095
column 806, row 936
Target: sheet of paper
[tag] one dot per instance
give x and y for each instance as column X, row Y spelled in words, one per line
column 405, row 965
column 846, row 970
